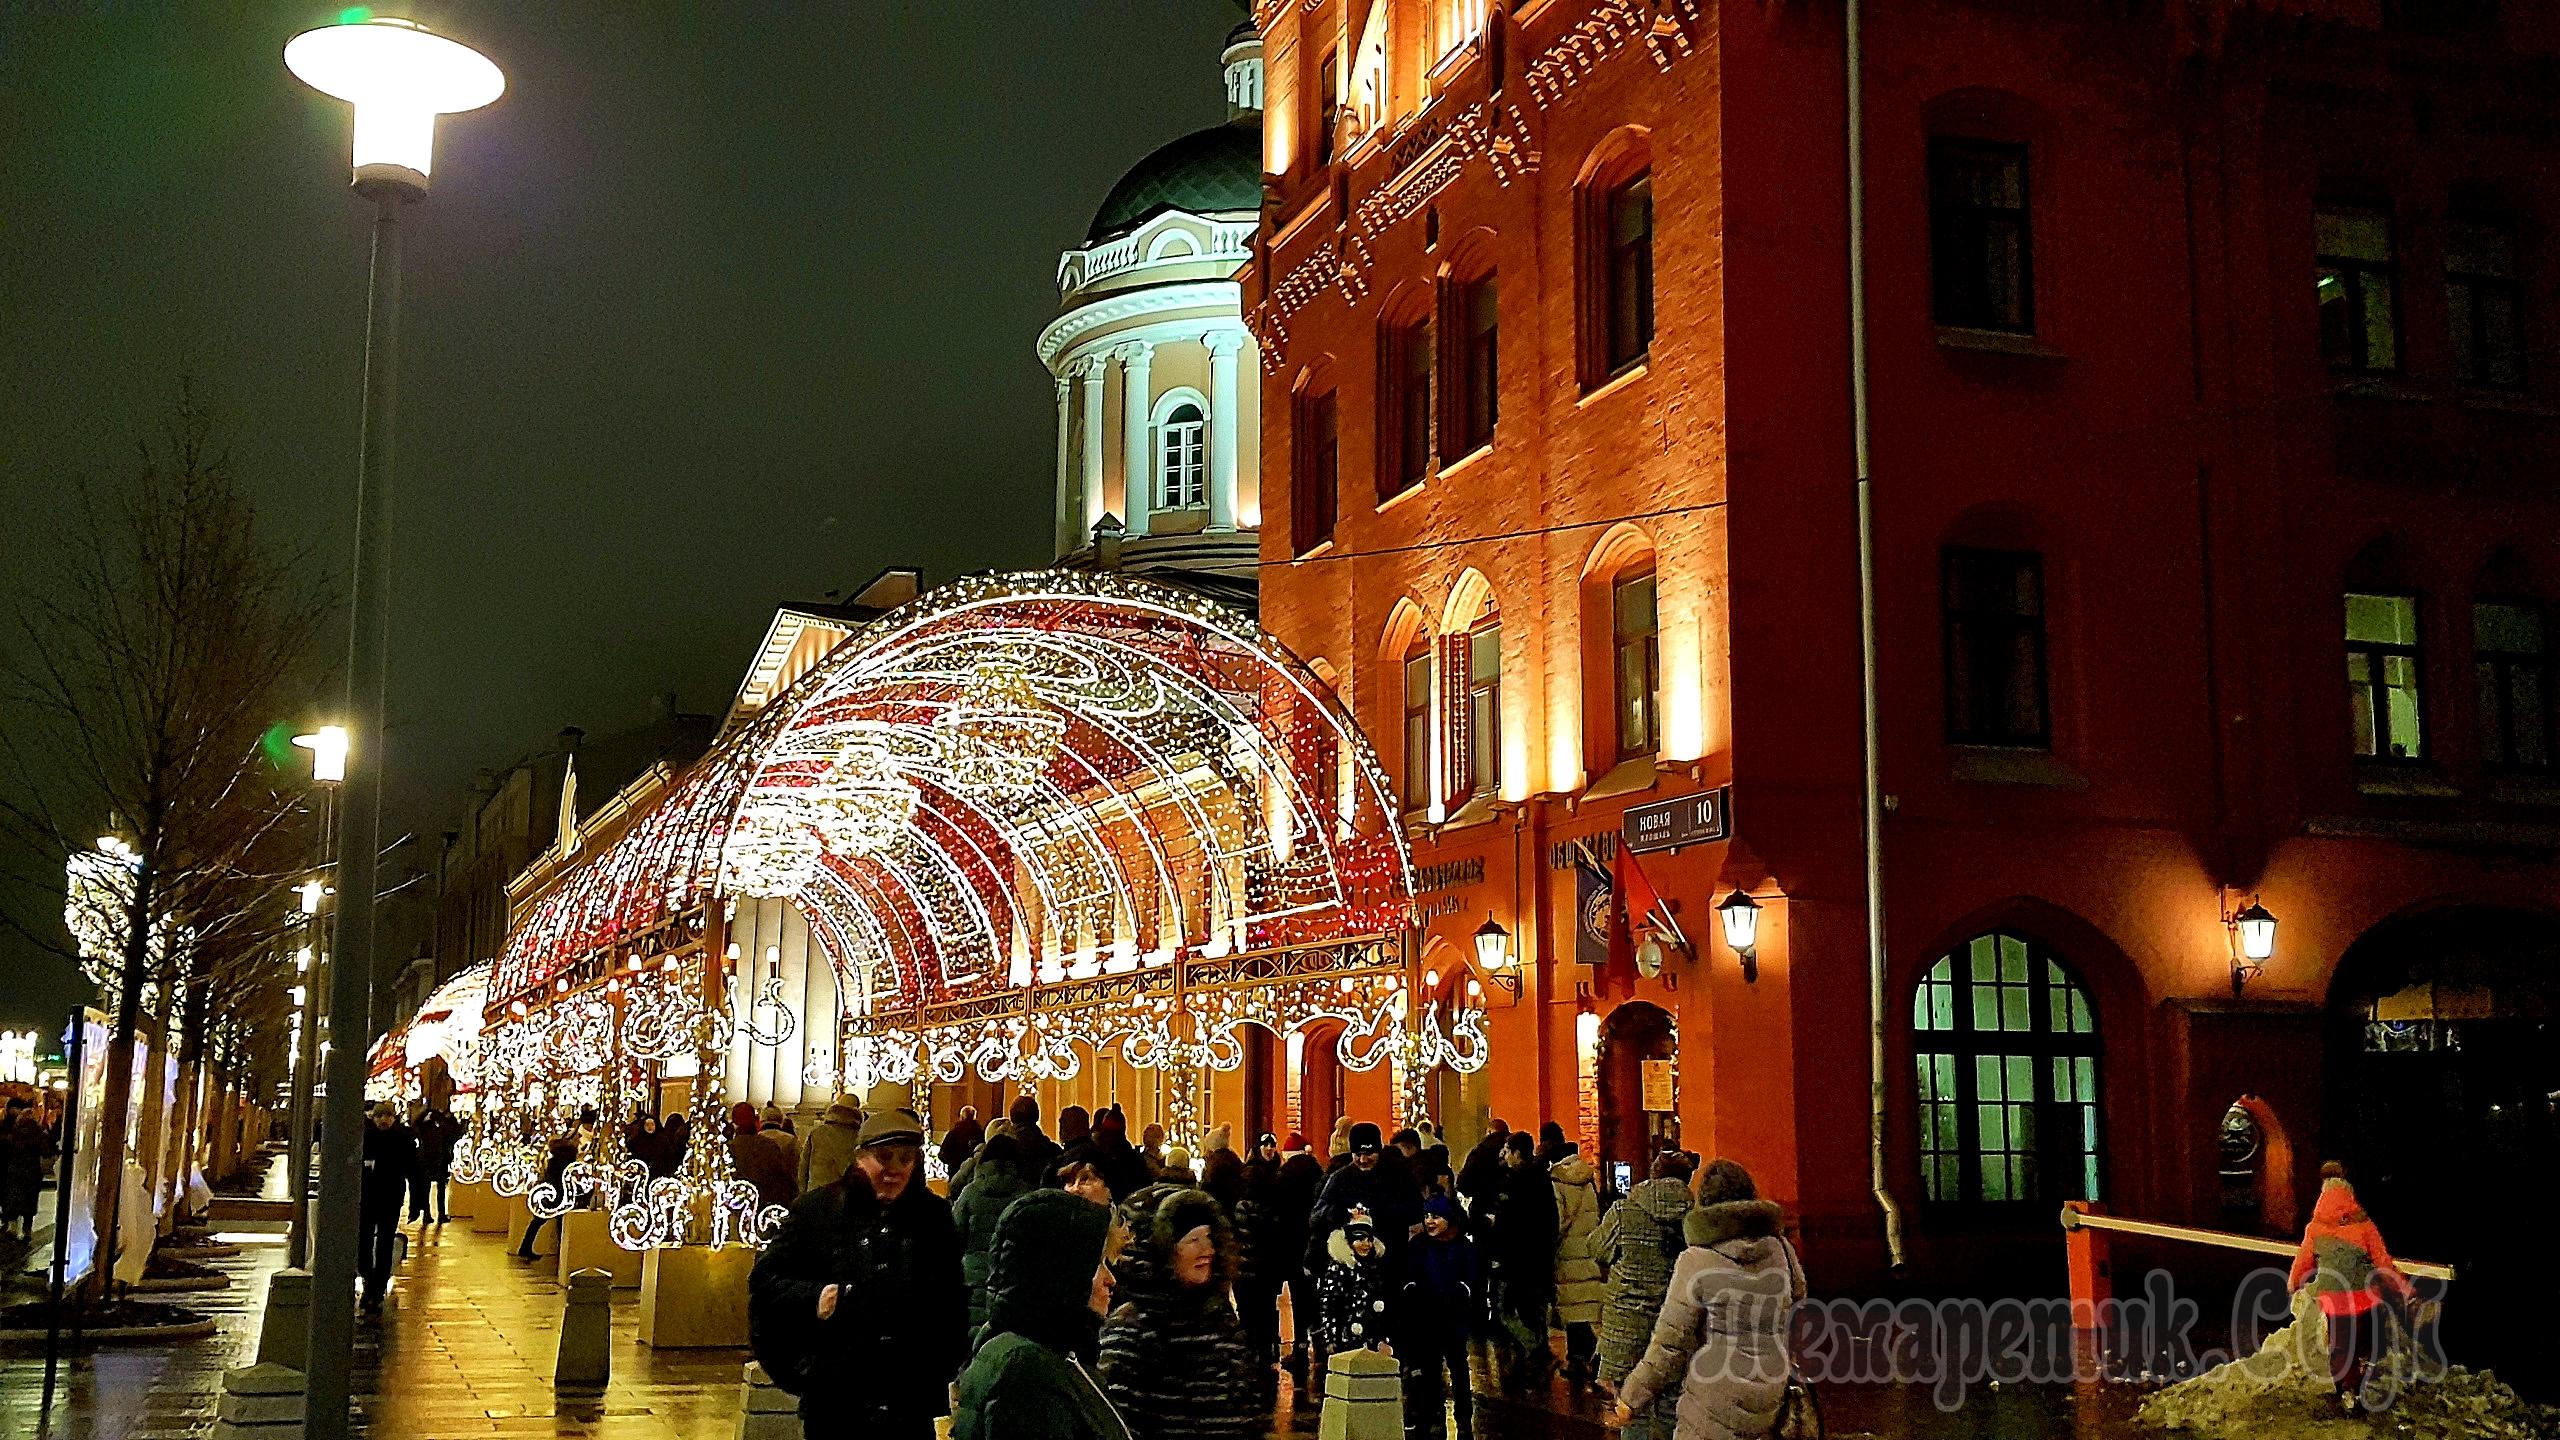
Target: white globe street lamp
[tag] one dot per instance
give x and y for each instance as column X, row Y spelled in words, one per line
column 399, row 76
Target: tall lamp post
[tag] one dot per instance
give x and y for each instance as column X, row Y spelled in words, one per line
column 328, row 747
column 399, row 76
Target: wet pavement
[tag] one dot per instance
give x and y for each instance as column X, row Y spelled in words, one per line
column 466, row 1346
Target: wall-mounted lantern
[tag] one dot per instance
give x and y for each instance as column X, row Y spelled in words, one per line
column 1494, row 957
column 1741, row 916
column 2254, row 931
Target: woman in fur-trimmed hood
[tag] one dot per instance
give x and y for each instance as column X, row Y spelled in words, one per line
column 1175, row 1360
column 1721, row 1342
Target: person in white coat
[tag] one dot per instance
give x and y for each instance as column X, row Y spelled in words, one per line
column 1721, row 1342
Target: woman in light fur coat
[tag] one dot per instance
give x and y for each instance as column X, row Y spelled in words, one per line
column 1721, row 1343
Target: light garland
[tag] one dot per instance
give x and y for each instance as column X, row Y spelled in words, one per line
column 863, row 803
column 998, row 737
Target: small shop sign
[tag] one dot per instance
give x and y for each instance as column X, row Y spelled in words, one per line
column 1686, row 820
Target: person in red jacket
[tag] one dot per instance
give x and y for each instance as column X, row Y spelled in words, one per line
column 2349, row 1269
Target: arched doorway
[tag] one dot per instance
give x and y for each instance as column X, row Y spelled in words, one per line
column 1635, row 1126
column 2443, row 1063
column 1317, row 1057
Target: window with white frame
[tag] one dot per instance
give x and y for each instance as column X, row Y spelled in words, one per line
column 1182, row 467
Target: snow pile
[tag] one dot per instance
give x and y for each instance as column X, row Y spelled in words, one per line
column 2283, row 1392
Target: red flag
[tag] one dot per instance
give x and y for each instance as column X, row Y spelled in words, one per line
column 1635, row 890
column 1637, row 902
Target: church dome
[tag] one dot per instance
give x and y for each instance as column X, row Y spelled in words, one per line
column 1207, row 172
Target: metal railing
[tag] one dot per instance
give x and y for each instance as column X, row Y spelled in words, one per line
column 2075, row 1218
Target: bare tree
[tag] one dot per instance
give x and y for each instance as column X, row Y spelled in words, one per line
column 168, row 637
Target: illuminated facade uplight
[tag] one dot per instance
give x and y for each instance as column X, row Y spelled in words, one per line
column 399, row 76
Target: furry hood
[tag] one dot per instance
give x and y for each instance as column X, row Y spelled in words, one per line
column 1571, row 1170
column 1338, row 1246
column 1158, row 1217
column 1711, row 1225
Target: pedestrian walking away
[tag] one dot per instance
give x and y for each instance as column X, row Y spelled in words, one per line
column 1175, row 1361
column 1720, row 1344
column 858, row 1305
column 1522, row 1256
column 827, row 1151
column 1039, row 1152
column 962, row 1140
column 437, row 1133
column 390, row 1162
column 1436, row 1312
column 997, row 1179
column 2351, row 1274
column 1637, row 1244
column 1049, row 1284
column 1301, row 1178
column 1579, row 1291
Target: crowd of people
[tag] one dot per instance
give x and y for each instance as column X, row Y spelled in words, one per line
column 1088, row 1286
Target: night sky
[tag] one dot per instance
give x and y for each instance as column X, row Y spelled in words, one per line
column 723, row 304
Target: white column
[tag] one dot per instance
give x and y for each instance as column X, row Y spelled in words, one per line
column 1068, row 510
column 1137, row 397
column 1222, row 428
column 1093, row 369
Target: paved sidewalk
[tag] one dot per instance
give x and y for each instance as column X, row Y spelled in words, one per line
column 466, row 1346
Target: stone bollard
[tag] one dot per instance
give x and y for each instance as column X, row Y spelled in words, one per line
column 284, row 1331
column 766, row 1411
column 259, row 1402
column 1363, row 1397
column 586, row 1335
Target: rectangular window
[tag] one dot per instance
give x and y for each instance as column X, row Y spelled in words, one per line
column 1328, row 104
column 1417, row 728
column 2482, row 304
column 1627, row 303
column 2359, row 296
column 1404, row 407
column 2513, row 666
column 1183, row 461
column 1992, row 602
column 1476, row 757
column 1980, row 250
column 1317, row 483
column 2383, row 698
column 1479, row 387
column 1635, row 641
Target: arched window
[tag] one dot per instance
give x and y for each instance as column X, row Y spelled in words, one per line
column 1614, row 256
column 1417, row 723
column 1182, row 467
column 2007, row 1043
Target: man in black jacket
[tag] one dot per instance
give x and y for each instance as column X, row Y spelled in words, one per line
column 390, row 1160
column 1368, row 1183
column 858, row 1305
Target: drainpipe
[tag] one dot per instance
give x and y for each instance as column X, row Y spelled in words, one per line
column 1874, row 796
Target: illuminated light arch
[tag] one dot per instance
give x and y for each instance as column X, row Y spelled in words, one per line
column 1211, row 826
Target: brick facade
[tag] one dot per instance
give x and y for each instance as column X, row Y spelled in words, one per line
column 2199, row 487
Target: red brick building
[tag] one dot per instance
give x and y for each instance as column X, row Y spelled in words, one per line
column 2210, row 402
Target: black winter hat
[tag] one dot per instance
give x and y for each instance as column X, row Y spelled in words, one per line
column 1364, row 1139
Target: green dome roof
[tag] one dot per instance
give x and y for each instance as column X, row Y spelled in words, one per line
column 1205, row 172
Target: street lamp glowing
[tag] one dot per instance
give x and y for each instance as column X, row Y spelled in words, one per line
column 328, row 747
column 2257, row 932
column 311, row 890
column 399, row 76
